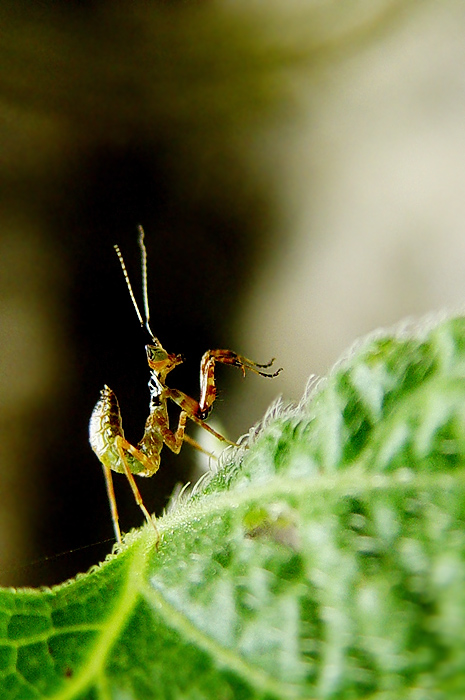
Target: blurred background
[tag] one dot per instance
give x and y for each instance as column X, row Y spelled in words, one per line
column 299, row 169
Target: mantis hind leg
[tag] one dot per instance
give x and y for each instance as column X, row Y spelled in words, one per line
column 121, row 446
column 112, row 501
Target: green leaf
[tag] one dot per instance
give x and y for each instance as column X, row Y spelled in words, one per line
column 324, row 559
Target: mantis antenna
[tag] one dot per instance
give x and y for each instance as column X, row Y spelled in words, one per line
column 144, row 284
column 143, row 259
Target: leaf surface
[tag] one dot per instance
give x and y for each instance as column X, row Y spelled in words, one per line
column 324, row 559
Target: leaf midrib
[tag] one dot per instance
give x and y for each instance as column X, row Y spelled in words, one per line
column 355, row 477
column 111, row 627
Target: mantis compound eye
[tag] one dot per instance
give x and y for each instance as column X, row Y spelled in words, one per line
column 155, row 353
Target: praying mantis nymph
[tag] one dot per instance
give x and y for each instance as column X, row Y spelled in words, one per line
column 106, row 434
